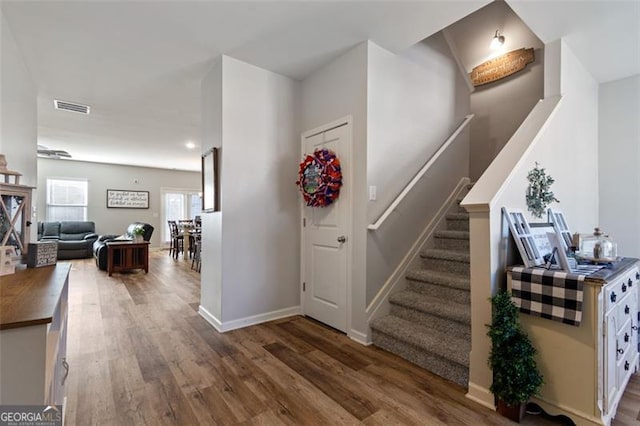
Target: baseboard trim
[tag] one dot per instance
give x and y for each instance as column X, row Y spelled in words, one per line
column 398, row 275
column 359, row 337
column 558, row 409
column 247, row 321
column 481, row 395
column 210, row 318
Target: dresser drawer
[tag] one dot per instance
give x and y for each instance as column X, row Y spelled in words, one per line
column 624, row 340
column 625, row 367
column 624, row 311
column 619, row 288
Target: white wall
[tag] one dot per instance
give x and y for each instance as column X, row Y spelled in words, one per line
column 336, row 90
column 211, row 252
column 567, row 147
column 619, row 155
column 110, row 176
column 415, row 101
column 253, row 115
column 499, row 107
column 18, row 119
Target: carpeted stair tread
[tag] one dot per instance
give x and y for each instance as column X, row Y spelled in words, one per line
column 448, row 309
column 446, row 346
column 452, row 255
column 455, row 235
column 444, row 279
column 457, row 216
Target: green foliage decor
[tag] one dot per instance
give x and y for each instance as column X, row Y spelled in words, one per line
column 138, row 230
column 539, row 194
column 515, row 374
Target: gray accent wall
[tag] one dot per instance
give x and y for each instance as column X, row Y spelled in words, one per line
column 110, row 176
column 499, row 107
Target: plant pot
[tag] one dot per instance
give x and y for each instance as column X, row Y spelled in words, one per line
column 138, row 239
column 512, row 412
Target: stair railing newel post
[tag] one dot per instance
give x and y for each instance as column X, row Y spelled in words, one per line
column 516, row 377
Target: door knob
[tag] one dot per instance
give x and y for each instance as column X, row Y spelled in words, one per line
column 342, row 239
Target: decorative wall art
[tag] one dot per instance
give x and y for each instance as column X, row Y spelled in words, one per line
column 123, row 199
column 501, row 67
column 211, row 180
column 320, row 178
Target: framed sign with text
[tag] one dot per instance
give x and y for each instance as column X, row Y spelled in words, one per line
column 122, row 199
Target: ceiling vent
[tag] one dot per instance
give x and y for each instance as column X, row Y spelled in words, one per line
column 70, row 106
column 45, row 152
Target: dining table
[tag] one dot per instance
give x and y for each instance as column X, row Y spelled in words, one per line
column 188, row 230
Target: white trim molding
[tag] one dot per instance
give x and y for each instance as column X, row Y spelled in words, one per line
column 223, row 327
column 362, row 338
column 481, row 395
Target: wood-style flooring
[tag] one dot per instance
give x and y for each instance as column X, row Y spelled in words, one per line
column 140, row 354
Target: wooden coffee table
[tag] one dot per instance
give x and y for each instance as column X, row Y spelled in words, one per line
column 127, row 255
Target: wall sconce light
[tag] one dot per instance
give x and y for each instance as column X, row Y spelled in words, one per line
column 497, row 41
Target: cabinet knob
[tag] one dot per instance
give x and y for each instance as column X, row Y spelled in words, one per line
column 626, row 309
column 637, row 275
column 620, row 351
column 28, row 223
column 613, row 296
column 624, row 288
column 626, row 366
column 626, row 337
column 630, row 282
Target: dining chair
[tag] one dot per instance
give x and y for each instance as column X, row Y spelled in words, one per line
column 197, row 244
column 176, row 245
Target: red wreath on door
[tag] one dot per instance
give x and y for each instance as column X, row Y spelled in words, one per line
column 320, row 178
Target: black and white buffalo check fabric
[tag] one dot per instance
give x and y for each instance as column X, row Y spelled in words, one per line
column 554, row 295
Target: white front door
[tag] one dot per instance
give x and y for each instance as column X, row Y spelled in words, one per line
column 326, row 237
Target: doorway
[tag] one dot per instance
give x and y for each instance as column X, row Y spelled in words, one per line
column 325, row 256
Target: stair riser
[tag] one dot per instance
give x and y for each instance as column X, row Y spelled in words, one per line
column 452, row 244
column 442, row 367
column 457, row 225
column 460, row 209
column 444, row 325
column 461, row 268
column 443, row 292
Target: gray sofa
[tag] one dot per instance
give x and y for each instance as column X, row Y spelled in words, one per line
column 75, row 238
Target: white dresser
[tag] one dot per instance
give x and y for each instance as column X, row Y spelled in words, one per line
column 587, row 368
column 33, row 335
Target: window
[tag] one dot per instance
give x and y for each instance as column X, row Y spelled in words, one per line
column 179, row 204
column 66, row 199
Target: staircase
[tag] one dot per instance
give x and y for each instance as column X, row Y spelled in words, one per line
column 430, row 321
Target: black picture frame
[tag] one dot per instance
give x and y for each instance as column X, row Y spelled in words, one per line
column 211, row 181
column 127, row 199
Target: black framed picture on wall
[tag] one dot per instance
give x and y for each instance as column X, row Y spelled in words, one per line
column 211, row 180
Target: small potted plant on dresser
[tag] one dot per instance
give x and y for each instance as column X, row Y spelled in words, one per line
column 515, row 374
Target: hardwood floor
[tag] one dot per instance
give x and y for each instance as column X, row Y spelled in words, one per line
column 140, row 354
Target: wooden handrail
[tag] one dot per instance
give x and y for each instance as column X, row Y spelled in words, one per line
column 420, row 174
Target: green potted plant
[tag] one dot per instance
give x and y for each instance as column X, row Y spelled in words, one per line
column 515, row 374
column 138, row 233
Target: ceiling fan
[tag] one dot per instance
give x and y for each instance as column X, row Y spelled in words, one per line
column 45, row 152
